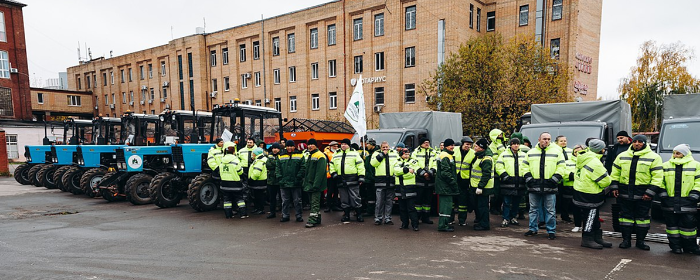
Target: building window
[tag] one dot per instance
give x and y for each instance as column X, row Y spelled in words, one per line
column 80, row 84
column 554, row 48
column 5, row 66
column 379, row 61
column 471, row 16
column 276, row 46
column 244, row 81
column 478, row 20
column 357, row 29
column 106, row 99
column 379, row 25
column 379, row 96
column 143, row 94
column 141, row 73
column 40, row 98
column 224, row 56
column 411, row 17
column 314, row 38
column 114, row 98
column 258, row 80
column 162, row 68
column 331, row 34
column 292, row 74
column 331, row 68
column 214, row 85
column 11, row 140
column 278, row 104
column 104, row 79
column 3, row 32
column 256, row 50
column 276, row 76
column 411, row 57
column 557, row 8
column 165, row 93
column 123, row 97
column 87, row 80
column 358, row 64
column 314, row 71
column 94, row 81
column 111, row 77
column 227, row 84
column 315, row 102
column 212, row 57
column 332, row 100
column 153, row 94
column 190, row 69
column 131, row 96
column 6, row 108
column 242, row 52
column 121, row 72
column 131, row 75
column 410, row 91
column 150, row 71
column 292, row 103
column 73, row 100
column 490, row 21
column 524, row 14
column 291, row 43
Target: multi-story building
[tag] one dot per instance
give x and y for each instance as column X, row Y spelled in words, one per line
column 15, row 101
column 304, row 63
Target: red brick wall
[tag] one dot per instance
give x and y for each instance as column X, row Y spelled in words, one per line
column 17, row 53
column 4, row 169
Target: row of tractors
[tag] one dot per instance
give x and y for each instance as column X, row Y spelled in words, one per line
column 143, row 158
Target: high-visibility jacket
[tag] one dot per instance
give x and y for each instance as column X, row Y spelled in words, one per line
column 591, row 179
column 289, row 170
column 349, row 167
column 463, row 160
column 244, row 155
column 315, row 175
column 405, row 181
column 383, row 165
column 680, row 190
column 257, row 174
column 272, row 160
column 214, row 157
column 481, row 172
column 496, row 146
column 543, row 169
column 427, row 162
column 569, row 166
column 230, row 171
column 369, row 169
column 508, row 169
column 636, row 173
column 446, row 179
column 329, row 155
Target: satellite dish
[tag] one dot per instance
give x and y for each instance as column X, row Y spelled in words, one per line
column 578, row 99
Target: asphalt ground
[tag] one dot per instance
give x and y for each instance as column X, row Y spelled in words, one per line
column 48, row 234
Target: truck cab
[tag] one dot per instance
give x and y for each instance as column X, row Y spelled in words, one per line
column 575, row 132
column 394, row 136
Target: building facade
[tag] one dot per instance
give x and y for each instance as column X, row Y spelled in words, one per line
column 305, row 63
column 15, row 102
column 54, row 104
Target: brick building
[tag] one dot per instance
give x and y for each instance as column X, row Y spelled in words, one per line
column 304, row 63
column 15, row 102
column 47, row 104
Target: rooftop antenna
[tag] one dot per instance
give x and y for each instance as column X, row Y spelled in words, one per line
column 79, row 58
column 205, row 24
column 110, row 54
column 89, row 54
column 171, row 32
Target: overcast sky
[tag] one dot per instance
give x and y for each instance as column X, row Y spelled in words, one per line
column 54, row 28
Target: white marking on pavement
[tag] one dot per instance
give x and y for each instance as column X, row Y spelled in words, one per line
column 502, row 243
column 409, row 274
column 617, row 268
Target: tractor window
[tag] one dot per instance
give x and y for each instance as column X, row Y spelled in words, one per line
column 224, row 124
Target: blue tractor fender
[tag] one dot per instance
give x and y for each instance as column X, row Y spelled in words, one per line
column 63, row 154
column 92, row 155
column 192, row 156
column 134, row 156
column 38, row 154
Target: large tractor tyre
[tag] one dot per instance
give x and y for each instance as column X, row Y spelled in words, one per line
column 90, row 179
column 107, row 194
column 137, row 189
column 58, row 177
column 33, row 176
column 163, row 192
column 71, row 180
column 203, row 193
column 22, row 174
column 46, row 176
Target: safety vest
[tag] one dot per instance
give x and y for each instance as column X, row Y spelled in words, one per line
column 427, row 160
column 462, row 162
column 214, row 157
column 476, row 172
column 541, row 165
column 230, row 168
column 257, row 174
column 405, row 181
column 347, row 162
column 569, row 165
column 496, row 145
column 591, row 178
column 635, row 173
column 680, row 189
column 383, row 170
column 511, row 163
column 244, row 155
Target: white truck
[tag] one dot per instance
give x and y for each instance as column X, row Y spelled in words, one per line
column 680, row 125
column 410, row 127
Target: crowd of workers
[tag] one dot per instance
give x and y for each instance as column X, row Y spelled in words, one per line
column 483, row 176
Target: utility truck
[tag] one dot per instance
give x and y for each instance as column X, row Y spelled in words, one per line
column 410, row 127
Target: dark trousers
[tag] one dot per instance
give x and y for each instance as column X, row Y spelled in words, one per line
column 259, row 199
column 272, row 191
column 496, row 199
column 424, row 199
column 407, row 212
column 681, row 230
column 578, row 214
column 237, row 197
column 482, row 210
column 332, row 198
column 511, row 204
column 463, row 201
column 634, row 212
column 315, row 211
column 291, row 196
column 591, row 221
column 368, row 193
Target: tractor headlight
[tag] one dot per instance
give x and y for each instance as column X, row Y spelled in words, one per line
column 182, row 165
column 53, row 159
column 166, row 160
column 114, row 156
column 162, row 118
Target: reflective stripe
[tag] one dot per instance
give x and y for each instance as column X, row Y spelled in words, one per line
column 561, row 162
column 660, row 167
column 444, row 215
column 617, row 166
column 588, row 168
column 241, row 204
column 228, row 204
column 625, row 158
column 257, row 168
column 540, row 154
column 646, row 159
column 526, row 162
column 587, row 204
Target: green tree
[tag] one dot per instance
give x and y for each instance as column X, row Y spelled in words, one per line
column 660, row 70
column 492, row 83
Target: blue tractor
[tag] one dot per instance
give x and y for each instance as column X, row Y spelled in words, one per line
column 144, row 156
column 232, row 122
column 91, row 161
column 75, row 132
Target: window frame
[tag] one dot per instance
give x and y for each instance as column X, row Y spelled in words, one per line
column 277, row 76
column 291, row 43
column 410, row 57
column 227, row 83
column 278, row 104
column 357, row 29
column 224, row 56
column 162, row 69
column 379, row 25
column 315, row 102
column 242, row 52
column 471, row 16
column 332, row 68
column 357, row 64
column 244, row 81
column 557, row 5
column 379, row 61
column 411, row 15
column 212, row 57
column 331, row 33
column 478, row 19
column 524, row 14
column 314, row 71
column 490, row 21
column 292, row 74
column 40, row 97
column 74, row 101
column 333, row 100
column 258, row 80
column 256, row 50
column 313, row 38
column 379, row 91
column 292, row 104
column 406, row 91
column 275, row 46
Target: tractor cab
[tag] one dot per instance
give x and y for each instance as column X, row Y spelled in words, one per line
column 237, row 122
column 140, row 129
column 106, row 130
column 181, row 126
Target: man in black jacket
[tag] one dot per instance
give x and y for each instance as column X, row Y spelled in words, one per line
column 623, row 144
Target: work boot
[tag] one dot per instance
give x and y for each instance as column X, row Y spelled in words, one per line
column 346, row 216
column 504, row 223
column 425, row 218
column 358, row 215
column 588, row 240
column 598, row 237
column 626, row 237
column 677, row 251
column 641, row 235
column 228, row 212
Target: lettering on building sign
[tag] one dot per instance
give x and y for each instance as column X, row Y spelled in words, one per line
column 371, row 80
column 583, row 63
column 580, row 88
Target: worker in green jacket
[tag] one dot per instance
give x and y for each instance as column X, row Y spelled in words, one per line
column 368, row 191
column 481, row 182
column 231, row 186
column 214, row 157
column 405, row 179
column 590, row 182
column 680, row 192
column 446, row 184
column 257, row 179
column 315, row 181
column 290, row 173
column 273, row 185
column 637, row 173
column 348, row 169
column 382, row 163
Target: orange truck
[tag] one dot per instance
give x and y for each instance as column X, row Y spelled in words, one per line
column 301, row 130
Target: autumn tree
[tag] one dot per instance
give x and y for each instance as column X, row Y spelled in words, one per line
column 492, row 82
column 660, row 70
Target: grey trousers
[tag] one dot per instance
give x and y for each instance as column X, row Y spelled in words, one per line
column 350, row 197
column 290, row 195
column 385, row 201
